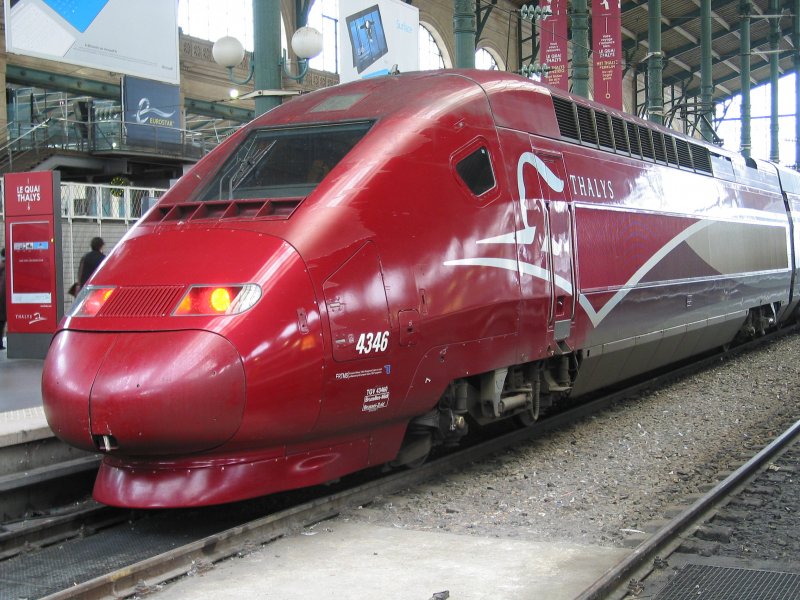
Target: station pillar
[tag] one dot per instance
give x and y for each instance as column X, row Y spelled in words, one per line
column 266, row 52
column 745, row 8
column 796, row 45
column 655, row 90
column 465, row 27
column 580, row 48
column 774, row 74
column 706, row 74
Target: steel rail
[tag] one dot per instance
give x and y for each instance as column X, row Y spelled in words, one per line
column 647, row 550
column 141, row 576
column 43, row 531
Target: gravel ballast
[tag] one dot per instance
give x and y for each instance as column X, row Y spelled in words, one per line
column 608, row 477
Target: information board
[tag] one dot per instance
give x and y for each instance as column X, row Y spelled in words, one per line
column 34, row 285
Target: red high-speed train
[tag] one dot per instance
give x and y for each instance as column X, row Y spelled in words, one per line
column 371, row 269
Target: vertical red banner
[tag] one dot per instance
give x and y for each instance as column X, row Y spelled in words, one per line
column 553, row 44
column 607, row 48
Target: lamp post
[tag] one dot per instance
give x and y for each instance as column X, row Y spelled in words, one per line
column 229, row 53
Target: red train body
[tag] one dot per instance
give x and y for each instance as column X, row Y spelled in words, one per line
column 373, row 268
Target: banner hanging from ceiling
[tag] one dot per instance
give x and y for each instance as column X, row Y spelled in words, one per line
column 151, row 112
column 553, row 45
column 136, row 38
column 376, row 37
column 607, row 49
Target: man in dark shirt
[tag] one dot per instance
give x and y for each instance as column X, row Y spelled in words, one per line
column 91, row 260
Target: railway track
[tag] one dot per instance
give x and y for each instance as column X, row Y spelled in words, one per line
column 44, row 494
column 626, row 579
column 195, row 547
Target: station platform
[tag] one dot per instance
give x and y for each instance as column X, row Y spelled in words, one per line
column 341, row 559
column 21, row 414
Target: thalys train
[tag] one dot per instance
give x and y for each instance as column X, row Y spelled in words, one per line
column 373, row 269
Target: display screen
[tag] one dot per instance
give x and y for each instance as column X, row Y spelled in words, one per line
column 367, row 37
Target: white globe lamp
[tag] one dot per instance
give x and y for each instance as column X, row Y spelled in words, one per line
column 307, row 42
column 228, row 52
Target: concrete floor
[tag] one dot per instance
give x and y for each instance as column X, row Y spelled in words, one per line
column 345, row 560
column 20, row 383
column 21, row 414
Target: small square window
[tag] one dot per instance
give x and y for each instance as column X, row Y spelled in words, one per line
column 476, row 171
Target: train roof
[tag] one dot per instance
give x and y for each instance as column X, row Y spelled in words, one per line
column 522, row 104
column 516, row 102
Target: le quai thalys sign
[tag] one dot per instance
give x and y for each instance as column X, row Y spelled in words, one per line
column 34, row 299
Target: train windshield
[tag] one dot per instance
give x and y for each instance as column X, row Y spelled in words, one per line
column 272, row 163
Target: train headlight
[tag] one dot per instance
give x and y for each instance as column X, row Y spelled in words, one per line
column 218, row 299
column 90, row 300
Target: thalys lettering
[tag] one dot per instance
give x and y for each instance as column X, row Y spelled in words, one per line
column 351, row 280
column 29, row 193
column 592, row 187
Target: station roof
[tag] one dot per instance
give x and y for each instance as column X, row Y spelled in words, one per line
column 680, row 41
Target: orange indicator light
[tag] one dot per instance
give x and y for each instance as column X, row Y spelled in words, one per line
column 220, row 300
column 212, row 300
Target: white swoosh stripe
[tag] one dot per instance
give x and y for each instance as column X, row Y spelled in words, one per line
column 508, row 264
column 512, row 265
column 550, row 178
column 595, row 316
column 527, row 234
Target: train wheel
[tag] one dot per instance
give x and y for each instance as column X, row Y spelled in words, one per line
column 414, row 452
column 525, row 419
column 530, row 415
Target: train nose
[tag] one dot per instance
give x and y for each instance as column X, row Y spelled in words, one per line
column 148, row 393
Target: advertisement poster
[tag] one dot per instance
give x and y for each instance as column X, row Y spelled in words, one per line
column 151, row 111
column 136, row 38
column 377, row 37
column 31, row 266
column 32, row 233
column 553, row 45
column 607, row 49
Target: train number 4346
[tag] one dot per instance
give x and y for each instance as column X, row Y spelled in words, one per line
column 372, row 342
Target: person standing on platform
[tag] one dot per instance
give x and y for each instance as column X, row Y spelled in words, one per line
column 91, row 260
column 2, row 296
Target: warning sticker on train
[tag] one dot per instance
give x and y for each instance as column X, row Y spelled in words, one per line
column 358, row 374
column 376, row 399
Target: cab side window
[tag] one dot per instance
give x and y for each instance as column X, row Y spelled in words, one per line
column 475, row 170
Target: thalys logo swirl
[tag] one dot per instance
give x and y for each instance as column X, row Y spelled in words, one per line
column 527, row 235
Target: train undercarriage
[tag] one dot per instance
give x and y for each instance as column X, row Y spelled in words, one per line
column 525, row 392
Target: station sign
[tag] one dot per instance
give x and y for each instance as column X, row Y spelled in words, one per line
column 607, row 52
column 553, row 45
column 34, row 282
column 151, row 112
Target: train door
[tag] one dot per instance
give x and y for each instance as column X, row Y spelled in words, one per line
column 554, row 189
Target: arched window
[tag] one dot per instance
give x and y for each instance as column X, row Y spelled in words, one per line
column 324, row 17
column 485, row 60
column 211, row 20
column 430, row 55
